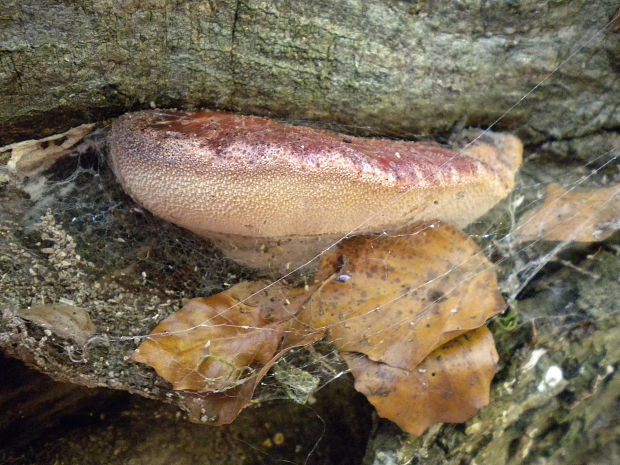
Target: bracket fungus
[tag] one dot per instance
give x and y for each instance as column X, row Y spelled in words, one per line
column 273, row 195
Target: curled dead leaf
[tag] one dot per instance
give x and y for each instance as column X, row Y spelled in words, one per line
column 401, row 311
column 578, row 216
column 449, row 386
column 221, row 408
column 211, row 345
column 34, row 156
column 220, row 347
column 396, row 299
column 66, row 321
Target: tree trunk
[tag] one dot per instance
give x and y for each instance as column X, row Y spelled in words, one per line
column 383, row 67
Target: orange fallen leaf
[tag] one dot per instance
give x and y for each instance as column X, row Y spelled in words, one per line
column 222, row 408
column 219, row 347
column 387, row 303
column 210, row 345
column 449, row 386
column 579, row 216
column 398, row 298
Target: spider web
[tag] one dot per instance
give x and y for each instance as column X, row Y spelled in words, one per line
column 130, row 250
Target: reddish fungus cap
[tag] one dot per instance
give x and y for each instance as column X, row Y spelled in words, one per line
column 233, row 178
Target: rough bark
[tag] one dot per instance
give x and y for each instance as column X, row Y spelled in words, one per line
column 377, row 67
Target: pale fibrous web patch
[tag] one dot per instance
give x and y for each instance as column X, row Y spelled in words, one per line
column 130, row 247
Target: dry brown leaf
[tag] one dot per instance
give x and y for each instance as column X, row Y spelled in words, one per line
column 579, row 216
column 395, row 299
column 387, row 303
column 220, row 347
column 218, row 408
column 449, row 386
column 211, row 344
column 66, row 321
column 221, row 408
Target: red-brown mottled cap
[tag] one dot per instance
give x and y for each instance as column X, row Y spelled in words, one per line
column 223, row 175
